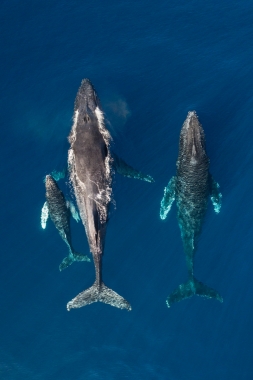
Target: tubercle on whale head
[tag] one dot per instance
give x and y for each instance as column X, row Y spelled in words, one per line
column 86, row 99
column 192, row 138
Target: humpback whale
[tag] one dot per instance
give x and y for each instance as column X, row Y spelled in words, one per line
column 91, row 167
column 191, row 188
column 59, row 211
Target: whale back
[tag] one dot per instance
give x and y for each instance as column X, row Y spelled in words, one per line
column 90, row 165
column 192, row 180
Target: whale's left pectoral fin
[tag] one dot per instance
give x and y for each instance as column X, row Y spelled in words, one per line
column 168, row 198
column 215, row 195
column 126, row 170
column 44, row 215
column 73, row 211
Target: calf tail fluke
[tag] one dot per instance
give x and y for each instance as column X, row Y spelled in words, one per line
column 189, row 289
column 67, row 261
column 98, row 294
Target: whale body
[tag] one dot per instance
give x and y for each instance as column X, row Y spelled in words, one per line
column 59, row 211
column 91, row 166
column 191, row 188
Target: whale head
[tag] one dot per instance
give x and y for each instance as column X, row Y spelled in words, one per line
column 192, row 139
column 87, row 113
column 86, row 99
column 49, row 182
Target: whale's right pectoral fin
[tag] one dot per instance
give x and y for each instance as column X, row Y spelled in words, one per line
column 44, row 216
column 189, row 289
column 126, row 170
column 98, row 294
column 168, row 198
column 57, row 175
column 215, row 195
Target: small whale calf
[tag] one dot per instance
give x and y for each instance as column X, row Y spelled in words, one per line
column 191, row 188
column 91, row 165
column 59, row 211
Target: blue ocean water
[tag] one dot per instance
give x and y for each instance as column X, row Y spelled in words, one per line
column 151, row 62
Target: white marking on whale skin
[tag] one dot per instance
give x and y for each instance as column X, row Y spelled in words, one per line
column 101, row 200
column 72, row 135
column 105, row 195
column 193, row 161
column 44, row 215
column 107, row 138
column 101, row 124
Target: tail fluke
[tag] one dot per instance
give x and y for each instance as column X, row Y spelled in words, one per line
column 71, row 258
column 189, row 289
column 98, row 294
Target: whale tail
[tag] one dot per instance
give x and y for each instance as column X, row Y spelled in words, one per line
column 189, row 289
column 73, row 256
column 99, row 293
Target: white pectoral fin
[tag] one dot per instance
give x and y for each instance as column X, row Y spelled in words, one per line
column 126, row 170
column 44, row 215
column 73, row 211
column 216, row 195
column 168, row 198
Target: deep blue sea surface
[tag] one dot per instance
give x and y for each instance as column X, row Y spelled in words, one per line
column 150, row 62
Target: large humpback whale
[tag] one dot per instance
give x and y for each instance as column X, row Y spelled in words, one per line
column 59, row 211
column 191, row 188
column 91, row 165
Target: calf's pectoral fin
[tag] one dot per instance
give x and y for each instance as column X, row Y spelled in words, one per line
column 126, row 170
column 168, row 198
column 215, row 195
column 189, row 289
column 44, row 215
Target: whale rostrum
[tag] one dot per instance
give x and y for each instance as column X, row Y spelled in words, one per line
column 59, row 211
column 191, row 188
column 91, row 166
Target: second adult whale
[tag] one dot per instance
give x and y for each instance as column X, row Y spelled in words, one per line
column 191, row 188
